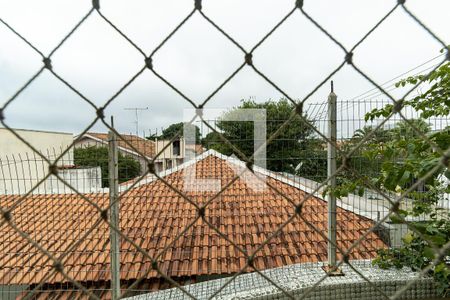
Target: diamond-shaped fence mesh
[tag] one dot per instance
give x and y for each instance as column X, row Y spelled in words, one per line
column 58, row 223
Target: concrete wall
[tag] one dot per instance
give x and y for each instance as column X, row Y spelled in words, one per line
column 20, row 167
column 168, row 159
column 48, row 143
column 19, row 176
column 86, row 180
column 297, row 279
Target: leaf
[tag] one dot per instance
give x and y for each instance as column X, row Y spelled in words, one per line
column 438, row 240
column 402, row 213
column 440, row 267
column 405, row 178
column 432, row 230
column 408, row 238
column 396, row 219
column 428, row 253
column 361, row 191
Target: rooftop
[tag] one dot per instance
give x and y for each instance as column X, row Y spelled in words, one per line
column 153, row 215
column 144, row 146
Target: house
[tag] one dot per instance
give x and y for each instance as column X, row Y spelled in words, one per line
column 174, row 153
column 152, row 215
column 169, row 154
column 21, row 168
column 145, row 148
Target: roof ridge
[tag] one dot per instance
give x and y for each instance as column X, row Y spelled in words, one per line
column 125, row 148
column 122, row 134
column 229, row 159
column 315, row 192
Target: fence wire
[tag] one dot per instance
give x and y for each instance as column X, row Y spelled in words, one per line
column 98, row 222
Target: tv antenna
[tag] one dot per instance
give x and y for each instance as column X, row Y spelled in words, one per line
column 136, row 112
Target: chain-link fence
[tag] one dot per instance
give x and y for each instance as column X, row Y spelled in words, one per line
column 146, row 232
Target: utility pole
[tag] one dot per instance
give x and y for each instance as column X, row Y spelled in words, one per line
column 114, row 212
column 331, row 162
column 136, row 112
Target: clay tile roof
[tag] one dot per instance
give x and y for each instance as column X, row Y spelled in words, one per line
column 144, row 146
column 152, row 215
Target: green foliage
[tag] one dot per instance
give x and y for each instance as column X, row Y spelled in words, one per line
column 213, row 141
column 373, row 136
column 433, row 103
column 313, row 162
column 94, row 156
column 417, row 253
column 293, row 146
column 385, row 158
column 405, row 157
column 174, row 129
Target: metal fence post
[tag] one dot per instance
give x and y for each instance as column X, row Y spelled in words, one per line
column 113, row 166
column 331, row 162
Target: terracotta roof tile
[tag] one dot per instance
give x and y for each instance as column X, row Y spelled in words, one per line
column 152, row 215
column 146, row 147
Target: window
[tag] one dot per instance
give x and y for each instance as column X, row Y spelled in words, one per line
column 176, row 147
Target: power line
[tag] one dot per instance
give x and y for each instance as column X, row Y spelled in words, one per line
column 374, row 92
column 398, row 76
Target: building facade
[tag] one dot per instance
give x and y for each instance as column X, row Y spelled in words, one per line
column 168, row 154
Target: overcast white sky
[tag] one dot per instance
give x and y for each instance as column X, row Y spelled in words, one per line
column 97, row 60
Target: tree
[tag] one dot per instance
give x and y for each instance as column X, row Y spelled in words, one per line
column 94, row 156
column 377, row 136
column 372, row 139
column 213, row 141
column 289, row 149
column 313, row 164
column 172, row 130
column 405, row 158
column 405, row 129
column 433, row 103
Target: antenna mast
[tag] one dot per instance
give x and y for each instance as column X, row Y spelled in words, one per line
column 136, row 111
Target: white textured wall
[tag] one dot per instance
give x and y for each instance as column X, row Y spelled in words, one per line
column 43, row 141
column 168, row 152
column 299, row 278
column 21, row 168
column 87, row 180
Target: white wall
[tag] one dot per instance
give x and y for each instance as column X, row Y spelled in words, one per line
column 20, row 167
column 168, row 152
column 167, row 159
column 44, row 141
column 86, row 180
